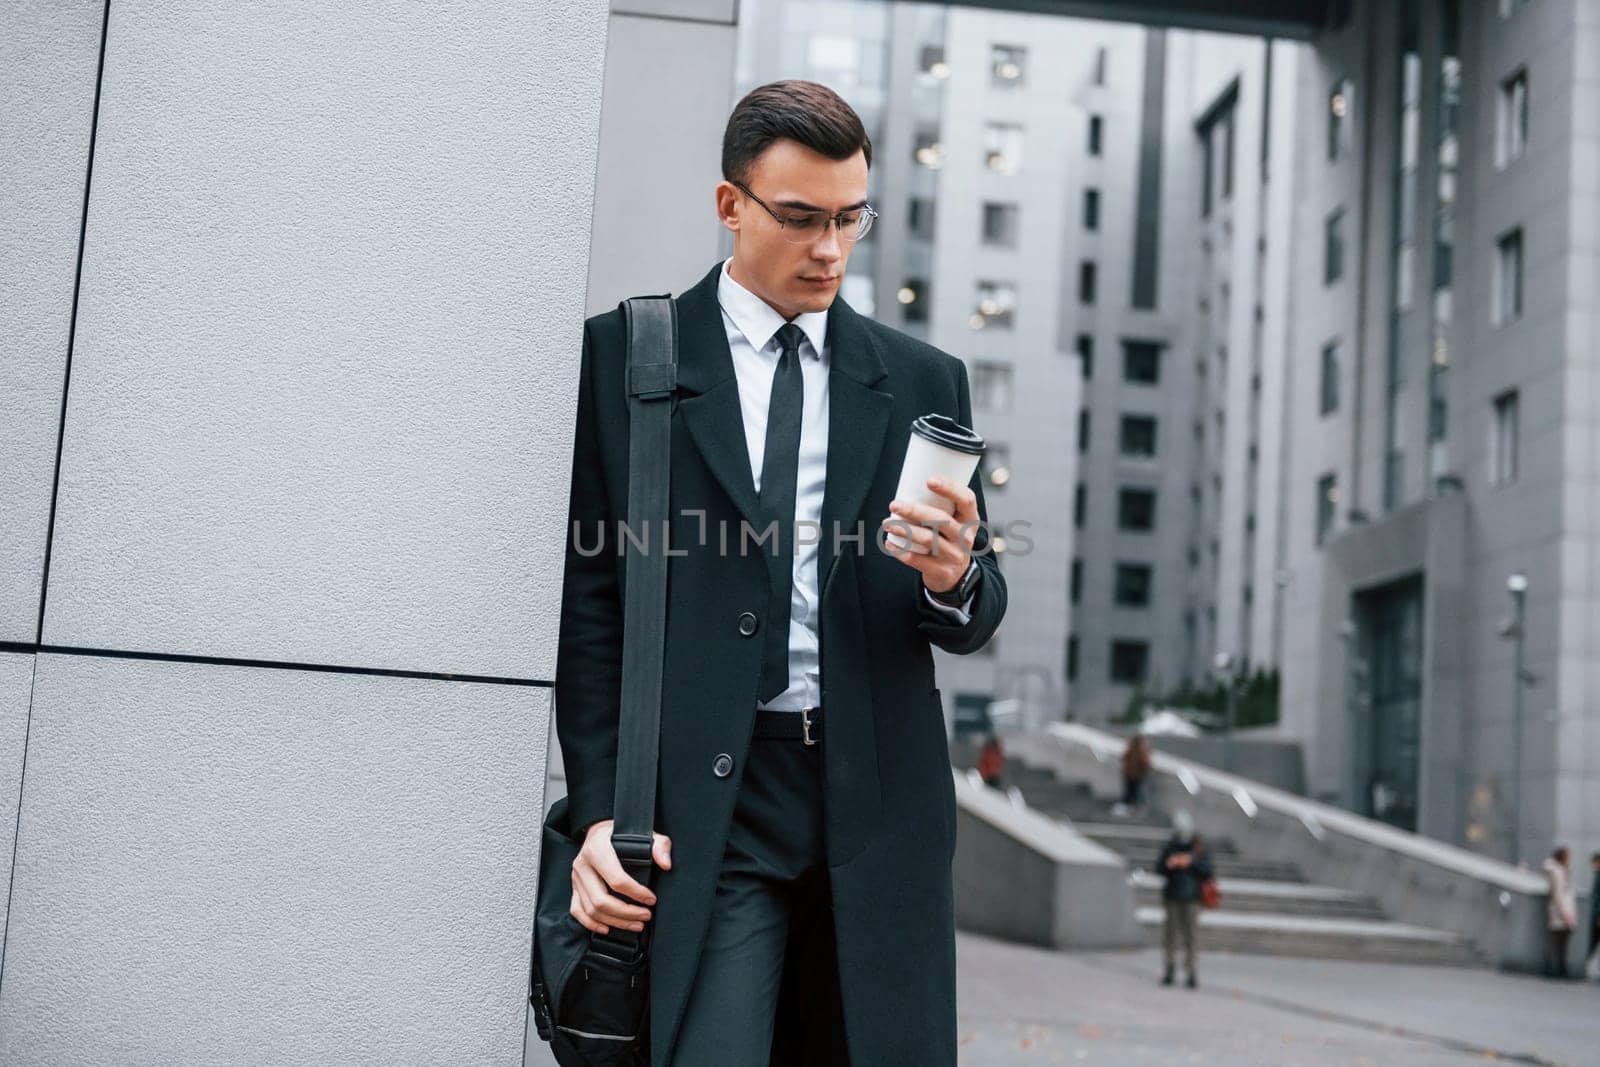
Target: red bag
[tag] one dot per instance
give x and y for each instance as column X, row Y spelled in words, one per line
column 1210, row 895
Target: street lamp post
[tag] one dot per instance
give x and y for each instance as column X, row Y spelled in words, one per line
column 1224, row 665
column 1517, row 586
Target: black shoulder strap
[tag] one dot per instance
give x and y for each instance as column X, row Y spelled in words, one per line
column 652, row 375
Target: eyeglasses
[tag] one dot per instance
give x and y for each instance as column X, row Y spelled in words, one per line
column 805, row 227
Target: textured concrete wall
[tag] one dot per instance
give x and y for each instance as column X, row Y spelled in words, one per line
column 290, row 314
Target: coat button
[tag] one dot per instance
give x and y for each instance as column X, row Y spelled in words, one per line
column 722, row 766
column 748, row 623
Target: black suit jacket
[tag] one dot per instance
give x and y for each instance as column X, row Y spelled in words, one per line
column 890, row 817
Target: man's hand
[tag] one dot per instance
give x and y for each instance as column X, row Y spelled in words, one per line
column 940, row 544
column 598, row 869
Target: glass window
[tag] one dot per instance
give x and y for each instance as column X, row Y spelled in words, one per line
column 991, row 386
column 1136, row 509
column 1327, row 504
column 913, row 298
column 1080, row 505
column 1128, row 661
column 1002, row 147
column 1083, row 429
column 1086, row 282
column 1008, row 65
column 1084, row 346
column 929, row 151
column 997, row 305
column 1508, row 278
column 1100, row 58
column 1097, row 132
column 1072, row 658
column 1137, row 436
column 1503, row 440
column 1133, row 585
column 1329, row 400
column 997, row 462
column 1077, row 580
column 1511, row 125
column 1091, row 209
column 1141, row 362
column 1339, row 119
column 1333, row 248
column 1000, row 224
column 922, row 218
column 933, row 61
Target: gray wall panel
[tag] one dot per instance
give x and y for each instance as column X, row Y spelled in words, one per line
column 49, row 53
column 705, row 10
column 328, row 333
column 668, row 91
column 218, row 864
column 16, row 678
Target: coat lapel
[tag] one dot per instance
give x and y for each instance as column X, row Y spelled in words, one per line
column 858, row 421
column 858, row 413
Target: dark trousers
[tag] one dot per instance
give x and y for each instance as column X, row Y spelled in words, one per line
column 1555, row 955
column 767, row 990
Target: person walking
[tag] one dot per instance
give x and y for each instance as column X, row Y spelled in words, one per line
column 1135, row 769
column 1185, row 865
column 805, row 808
column 1562, row 911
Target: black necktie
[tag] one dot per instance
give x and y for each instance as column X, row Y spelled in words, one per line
column 780, row 468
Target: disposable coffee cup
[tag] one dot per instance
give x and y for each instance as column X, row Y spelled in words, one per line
column 940, row 447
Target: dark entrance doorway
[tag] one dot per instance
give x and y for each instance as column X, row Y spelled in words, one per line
column 1388, row 711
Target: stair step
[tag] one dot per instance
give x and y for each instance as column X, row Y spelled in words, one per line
column 1282, row 898
column 1313, row 936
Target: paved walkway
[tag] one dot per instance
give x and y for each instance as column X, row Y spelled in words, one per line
column 1025, row 1006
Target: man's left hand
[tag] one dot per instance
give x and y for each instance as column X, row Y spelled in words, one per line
column 940, row 544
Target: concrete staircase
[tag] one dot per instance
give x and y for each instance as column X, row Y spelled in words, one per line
column 1268, row 906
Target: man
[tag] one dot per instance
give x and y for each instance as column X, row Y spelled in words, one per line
column 1185, row 865
column 806, row 813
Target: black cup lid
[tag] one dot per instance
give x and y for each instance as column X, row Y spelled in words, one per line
column 943, row 430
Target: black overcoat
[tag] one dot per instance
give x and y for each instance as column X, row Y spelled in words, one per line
column 889, row 797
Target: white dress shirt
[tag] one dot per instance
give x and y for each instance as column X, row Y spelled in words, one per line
column 752, row 327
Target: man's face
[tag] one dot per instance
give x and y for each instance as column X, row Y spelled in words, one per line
column 792, row 179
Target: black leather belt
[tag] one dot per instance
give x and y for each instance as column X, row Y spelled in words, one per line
column 804, row 725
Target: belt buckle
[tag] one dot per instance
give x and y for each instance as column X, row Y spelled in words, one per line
column 805, row 726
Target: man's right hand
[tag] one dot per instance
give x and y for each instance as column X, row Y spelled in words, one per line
column 597, row 874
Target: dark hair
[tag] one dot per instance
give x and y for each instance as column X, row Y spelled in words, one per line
column 1560, row 854
column 807, row 112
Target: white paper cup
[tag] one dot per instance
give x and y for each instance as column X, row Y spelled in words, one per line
column 940, row 447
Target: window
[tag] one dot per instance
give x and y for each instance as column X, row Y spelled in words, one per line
column 1339, row 122
column 1329, row 401
column 1072, row 658
column 1511, row 119
column 1000, row 224
column 1327, row 504
column 1084, row 346
column 1077, row 580
column 1508, row 278
column 997, row 462
column 1097, row 133
column 1333, row 248
column 1100, row 57
column 1086, row 282
column 1091, row 209
column 913, row 298
column 1216, row 142
column 991, row 386
column 1083, row 429
column 1141, row 362
column 1080, row 505
column 921, row 220
column 929, row 151
column 1133, row 585
column 933, row 62
column 1002, row 147
column 1503, row 440
column 1128, row 661
column 1137, row 436
column 997, row 305
column 1008, row 65
column 1136, row 509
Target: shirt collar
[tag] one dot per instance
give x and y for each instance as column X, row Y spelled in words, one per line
column 756, row 319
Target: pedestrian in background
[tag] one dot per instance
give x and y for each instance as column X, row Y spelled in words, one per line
column 1185, row 865
column 1594, row 915
column 992, row 762
column 1562, row 911
column 1135, row 769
